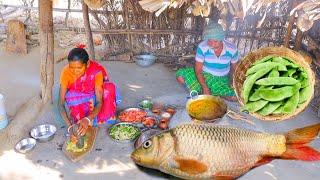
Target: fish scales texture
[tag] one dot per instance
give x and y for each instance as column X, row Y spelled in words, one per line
column 225, row 151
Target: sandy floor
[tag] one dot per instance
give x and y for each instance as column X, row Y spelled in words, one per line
column 110, row 159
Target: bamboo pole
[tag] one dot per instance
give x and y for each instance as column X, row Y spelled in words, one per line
column 54, row 9
column 294, row 3
column 143, row 31
column 86, row 21
column 46, row 49
column 298, row 40
column 67, row 14
column 96, row 17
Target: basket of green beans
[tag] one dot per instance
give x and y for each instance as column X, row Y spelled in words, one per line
column 274, row 83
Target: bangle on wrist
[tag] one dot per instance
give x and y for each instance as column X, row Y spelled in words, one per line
column 89, row 121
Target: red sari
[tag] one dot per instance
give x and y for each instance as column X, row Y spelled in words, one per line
column 81, row 98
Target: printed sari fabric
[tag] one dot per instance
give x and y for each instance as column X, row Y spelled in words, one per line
column 81, row 98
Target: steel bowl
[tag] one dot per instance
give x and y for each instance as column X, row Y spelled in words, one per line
column 145, row 60
column 145, row 135
column 146, row 104
column 156, row 119
column 123, row 123
column 133, row 109
column 44, row 132
column 25, row 145
column 205, row 107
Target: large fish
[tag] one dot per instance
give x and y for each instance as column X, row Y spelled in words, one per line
column 203, row 151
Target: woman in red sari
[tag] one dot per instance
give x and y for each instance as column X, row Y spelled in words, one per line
column 86, row 95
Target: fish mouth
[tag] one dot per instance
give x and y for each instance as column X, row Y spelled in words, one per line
column 135, row 158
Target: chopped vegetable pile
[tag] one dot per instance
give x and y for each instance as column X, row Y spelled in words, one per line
column 132, row 116
column 124, row 132
column 72, row 147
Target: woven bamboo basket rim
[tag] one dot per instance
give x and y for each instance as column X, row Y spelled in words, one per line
column 252, row 57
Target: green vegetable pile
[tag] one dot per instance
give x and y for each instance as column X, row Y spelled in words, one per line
column 122, row 132
column 275, row 85
column 146, row 104
column 72, row 147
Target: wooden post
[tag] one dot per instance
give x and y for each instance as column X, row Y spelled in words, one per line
column 298, row 40
column 67, row 14
column 294, row 3
column 16, row 37
column 46, row 49
column 85, row 11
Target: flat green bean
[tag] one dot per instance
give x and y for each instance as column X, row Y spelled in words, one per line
column 276, row 81
column 274, row 73
column 291, row 72
column 304, row 83
column 269, row 108
column 257, row 67
column 279, row 110
column 304, row 74
column 279, row 94
column 305, row 93
column 255, row 106
column 291, row 63
column 255, row 96
column 264, row 59
column 291, row 104
column 249, row 82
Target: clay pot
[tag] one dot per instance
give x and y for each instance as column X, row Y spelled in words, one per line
column 164, row 123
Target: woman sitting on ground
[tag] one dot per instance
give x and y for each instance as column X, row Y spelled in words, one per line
column 86, row 91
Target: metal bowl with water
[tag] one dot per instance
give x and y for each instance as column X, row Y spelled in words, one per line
column 44, row 132
column 145, row 60
column 25, row 145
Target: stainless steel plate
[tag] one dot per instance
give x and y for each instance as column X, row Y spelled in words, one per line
column 25, row 145
column 44, row 132
column 121, row 124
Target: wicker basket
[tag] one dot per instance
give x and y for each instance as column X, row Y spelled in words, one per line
column 250, row 58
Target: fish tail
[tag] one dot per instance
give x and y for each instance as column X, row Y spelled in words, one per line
column 297, row 144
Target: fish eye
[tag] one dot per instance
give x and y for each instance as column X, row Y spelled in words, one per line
column 147, row 144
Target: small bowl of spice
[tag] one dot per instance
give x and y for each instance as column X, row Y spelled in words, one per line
column 164, row 123
column 171, row 109
column 157, row 108
column 165, row 115
column 150, row 122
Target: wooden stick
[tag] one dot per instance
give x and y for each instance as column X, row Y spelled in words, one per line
column 101, row 23
column 68, row 10
column 88, row 30
column 298, row 39
column 293, row 3
column 67, row 14
column 142, row 31
column 54, row 9
column 46, row 49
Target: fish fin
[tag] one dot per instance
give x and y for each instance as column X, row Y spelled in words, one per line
column 223, row 177
column 301, row 152
column 296, row 144
column 303, row 135
column 263, row 161
column 191, row 166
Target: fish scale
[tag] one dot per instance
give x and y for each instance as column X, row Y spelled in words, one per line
column 224, row 148
column 204, row 151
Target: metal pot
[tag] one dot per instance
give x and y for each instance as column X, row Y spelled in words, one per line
column 145, row 60
column 44, row 132
column 205, row 107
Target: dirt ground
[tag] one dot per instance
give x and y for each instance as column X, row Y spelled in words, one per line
column 110, row 160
